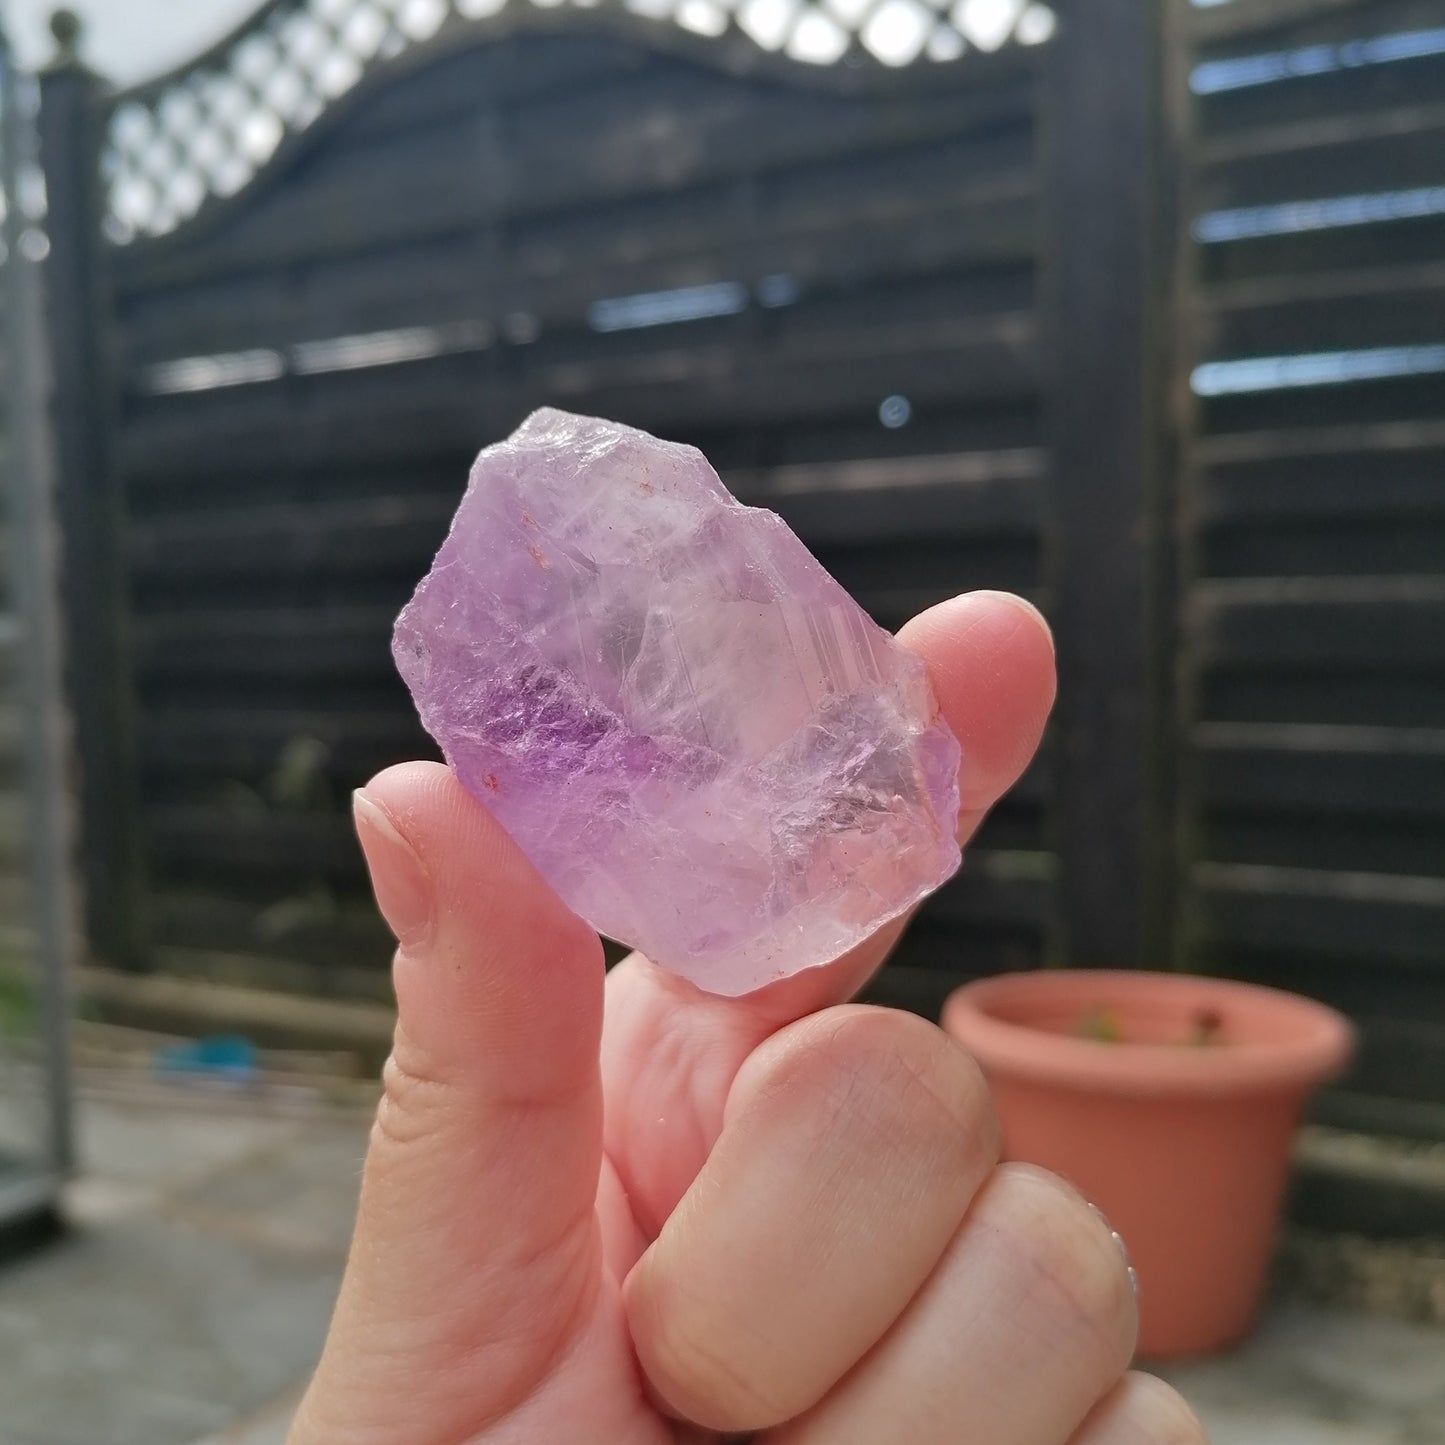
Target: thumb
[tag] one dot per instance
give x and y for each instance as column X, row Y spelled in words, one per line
column 475, row 1257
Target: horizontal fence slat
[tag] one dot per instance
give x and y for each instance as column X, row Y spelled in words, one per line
column 681, row 382
column 351, row 643
column 1400, row 1058
column 266, row 643
column 1355, row 914
column 1236, row 23
column 1328, row 783
column 694, row 126
column 1332, row 90
column 924, row 497
column 1393, row 150
column 1322, row 694
column 1409, row 394
column 1271, row 25
column 1334, row 475
column 1354, row 310
column 193, row 839
column 361, row 536
column 1375, row 621
column 1408, row 844
column 204, row 745
column 553, row 276
column 1409, row 241
column 302, row 924
column 920, row 312
column 1373, row 546
column 1386, row 991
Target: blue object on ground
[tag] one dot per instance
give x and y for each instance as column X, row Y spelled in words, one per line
column 228, row 1056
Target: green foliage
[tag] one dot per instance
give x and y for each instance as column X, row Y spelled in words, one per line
column 1102, row 1025
column 18, row 1010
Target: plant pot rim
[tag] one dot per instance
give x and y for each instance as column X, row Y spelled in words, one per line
column 1316, row 1045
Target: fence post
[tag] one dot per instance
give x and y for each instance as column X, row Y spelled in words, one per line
column 90, row 508
column 1105, row 177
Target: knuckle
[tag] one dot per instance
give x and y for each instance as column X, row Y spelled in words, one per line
column 906, row 1077
column 682, row 1347
column 411, row 1097
column 1070, row 1256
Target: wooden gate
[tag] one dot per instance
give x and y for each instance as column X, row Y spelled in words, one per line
column 824, row 275
column 1136, row 309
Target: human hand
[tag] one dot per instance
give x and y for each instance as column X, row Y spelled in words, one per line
column 630, row 1213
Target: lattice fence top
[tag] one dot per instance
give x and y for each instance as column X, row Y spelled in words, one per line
column 205, row 131
column 22, row 187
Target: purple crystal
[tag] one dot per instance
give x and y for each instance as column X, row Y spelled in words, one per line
column 702, row 742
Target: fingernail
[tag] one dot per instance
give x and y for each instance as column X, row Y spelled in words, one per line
column 403, row 890
column 1024, row 605
column 1118, row 1244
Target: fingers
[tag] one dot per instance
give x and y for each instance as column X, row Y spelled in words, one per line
column 1027, row 1321
column 670, row 1051
column 497, row 982
column 492, row 1112
column 853, row 1143
column 1141, row 1410
column 990, row 657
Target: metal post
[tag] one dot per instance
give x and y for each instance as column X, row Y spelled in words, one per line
column 90, row 509
column 36, row 599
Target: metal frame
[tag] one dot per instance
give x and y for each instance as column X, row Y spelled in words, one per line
column 28, row 482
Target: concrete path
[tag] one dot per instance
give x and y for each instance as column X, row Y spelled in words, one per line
column 189, row 1303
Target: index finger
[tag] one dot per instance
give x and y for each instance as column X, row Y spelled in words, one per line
column 670, row 1051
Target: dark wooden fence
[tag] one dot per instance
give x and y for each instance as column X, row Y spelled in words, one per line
column 301, row 375
column 930, row 313
column 1313, row 595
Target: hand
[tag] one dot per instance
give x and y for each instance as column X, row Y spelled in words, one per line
column 629, row 1213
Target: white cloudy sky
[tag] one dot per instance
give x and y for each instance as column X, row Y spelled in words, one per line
column 130, row 40
column 127, row 40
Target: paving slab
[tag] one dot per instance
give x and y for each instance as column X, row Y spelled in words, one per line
column 302, row 1189
column 191, row 1299
column 269, row 1427
column 1322, row 1377
column 149, row 1331
column 163, row 1148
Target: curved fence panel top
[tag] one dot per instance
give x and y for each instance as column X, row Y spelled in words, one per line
column 202, row 131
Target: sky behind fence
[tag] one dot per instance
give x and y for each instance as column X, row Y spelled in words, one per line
column 127, row 40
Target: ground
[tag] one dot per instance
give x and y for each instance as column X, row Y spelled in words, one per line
column 189, row 1301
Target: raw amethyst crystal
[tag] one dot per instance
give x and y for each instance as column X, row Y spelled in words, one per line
column 697, row 736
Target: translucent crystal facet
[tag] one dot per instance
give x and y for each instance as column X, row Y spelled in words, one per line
column 702, row 742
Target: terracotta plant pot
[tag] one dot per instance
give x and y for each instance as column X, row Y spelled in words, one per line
column 1183, row 1143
